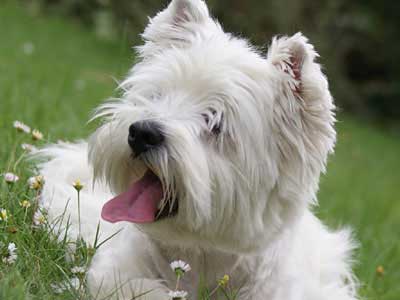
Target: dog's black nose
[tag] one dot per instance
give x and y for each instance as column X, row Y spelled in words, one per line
column 144, row 135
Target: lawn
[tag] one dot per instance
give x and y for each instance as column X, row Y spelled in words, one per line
column 54, row 72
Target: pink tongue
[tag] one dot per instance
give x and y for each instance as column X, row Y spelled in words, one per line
column 139, row 204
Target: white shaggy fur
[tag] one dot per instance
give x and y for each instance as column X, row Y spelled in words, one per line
column 244, row 194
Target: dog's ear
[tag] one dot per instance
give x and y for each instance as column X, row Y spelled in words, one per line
column 184, row 11
column 303, row 108
column 175, row 25
column 294, row 58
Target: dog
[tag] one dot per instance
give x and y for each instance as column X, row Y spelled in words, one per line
column 212, row 155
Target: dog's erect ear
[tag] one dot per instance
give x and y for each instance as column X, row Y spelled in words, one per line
column 303, row 107
column 176, row 24
column 303, row 95
column 293, row 56
column 183, row 11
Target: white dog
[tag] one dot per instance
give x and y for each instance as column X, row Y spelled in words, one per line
column 215, row 152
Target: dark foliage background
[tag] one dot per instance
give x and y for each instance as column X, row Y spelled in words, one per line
column 358, row 40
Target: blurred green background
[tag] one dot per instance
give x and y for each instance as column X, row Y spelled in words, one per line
column 358, row 40
column 60, row 58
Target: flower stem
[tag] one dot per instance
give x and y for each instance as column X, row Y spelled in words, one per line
column 25, row 214
column 79, row 214
column 178, row 278
column 214, row 291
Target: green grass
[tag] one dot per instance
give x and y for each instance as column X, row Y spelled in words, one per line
column 70, row 71
column 361, row 190
column 53, row 89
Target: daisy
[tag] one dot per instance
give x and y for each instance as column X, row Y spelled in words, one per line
column 78, row 270
column 12, row 255
column 38, row 219
column 80, row 84
column 37, row 135
column 177, row 295
column 36, row 182
column 12, row 248
column 179, row 266
column 77, row 184
column 28, row 147
column 11, row 178
column 21, row 127
column 75, row 283
column 59, row 288
column 28, row 48
column 3, row 215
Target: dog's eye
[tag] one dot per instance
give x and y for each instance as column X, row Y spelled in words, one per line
column 213, row 124
column 206, row 118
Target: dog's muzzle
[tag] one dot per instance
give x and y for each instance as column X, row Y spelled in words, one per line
column 145, row 135
column 144, row 200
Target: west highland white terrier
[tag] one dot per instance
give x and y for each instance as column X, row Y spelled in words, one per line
column 212, row 155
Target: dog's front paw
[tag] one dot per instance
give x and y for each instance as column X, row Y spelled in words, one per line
column 102, row 287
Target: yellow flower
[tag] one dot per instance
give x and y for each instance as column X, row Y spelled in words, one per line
column 3, row 215
column 77, row 184
column 380, row 271
column 37, row 135
column 224, row 280
column 25, row 204
column 36, row 182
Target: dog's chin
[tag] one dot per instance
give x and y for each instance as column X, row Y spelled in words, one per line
column 169, row 210
column 168, row 206
column 143, row 201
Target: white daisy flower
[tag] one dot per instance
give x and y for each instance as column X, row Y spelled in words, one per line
column 28, row 147
column 180, row 266
column 36, row 182
column 177, row 295
column 38, row 219
column 28, row 48
column 78, row 270
column 59, row 288
column 75, row 283
column 21, row 127
column 12, row 254
column 37, row 135
column 11, row 177
column 11, row 248
column 3, row 215
column 80, row 84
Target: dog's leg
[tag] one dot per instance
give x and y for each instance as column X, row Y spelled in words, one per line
column 123, row 268
column 323, row 260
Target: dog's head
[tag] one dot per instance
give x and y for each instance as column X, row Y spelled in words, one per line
column 214, row 143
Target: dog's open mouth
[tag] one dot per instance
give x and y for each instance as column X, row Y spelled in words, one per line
column 140, row 203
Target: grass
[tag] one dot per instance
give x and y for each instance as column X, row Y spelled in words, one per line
column 70, row 71
column 361, row 190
